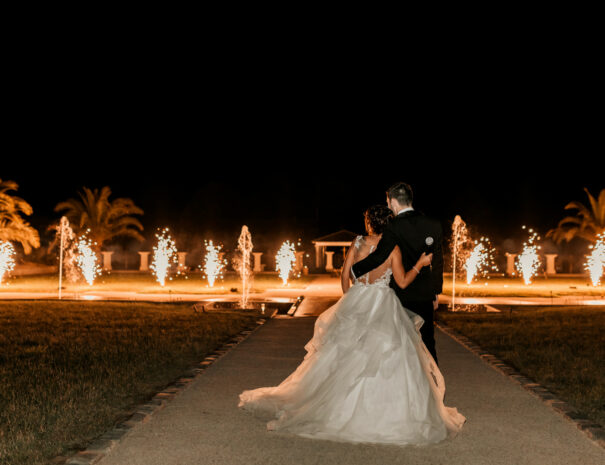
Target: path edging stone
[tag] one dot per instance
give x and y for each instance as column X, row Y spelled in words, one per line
column 593, row 430
column 110, row 439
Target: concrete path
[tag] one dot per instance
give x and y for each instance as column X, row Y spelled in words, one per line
column 203, row 425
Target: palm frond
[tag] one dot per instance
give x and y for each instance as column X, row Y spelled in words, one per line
column 22, row 232
column 12, row 226
column 8, row 185
column 10, row 202
column 582, row 210
column 571, row 220
column 123, row 206
column 600, row 213
column 128, row 232
column 593, row 202
column 106, row 219
column 126, row 221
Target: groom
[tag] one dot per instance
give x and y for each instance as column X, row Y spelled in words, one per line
column 409, row 230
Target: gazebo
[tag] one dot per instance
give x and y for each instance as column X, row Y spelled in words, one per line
column 342, row 238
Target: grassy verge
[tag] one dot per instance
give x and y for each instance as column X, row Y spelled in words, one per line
column 191, row 283
column 69, row 371
column 561, row 348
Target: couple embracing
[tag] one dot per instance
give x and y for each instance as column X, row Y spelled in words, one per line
column 370, row 374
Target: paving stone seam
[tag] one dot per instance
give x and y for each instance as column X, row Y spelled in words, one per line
column 592, row 430
column 101, row 446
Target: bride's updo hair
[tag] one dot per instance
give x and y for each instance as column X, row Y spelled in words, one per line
column 376, row 218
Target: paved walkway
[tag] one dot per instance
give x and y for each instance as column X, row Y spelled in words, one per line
column 203, row 425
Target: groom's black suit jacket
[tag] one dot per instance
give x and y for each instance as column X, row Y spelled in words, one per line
column 409, row 230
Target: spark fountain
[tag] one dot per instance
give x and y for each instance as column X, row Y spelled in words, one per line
column 213, row 265
column 595, row 263
column 480, row 261
column 164, row 255
column 7, row 260
column 87, row 260
column 67, row 256
column 458, row 244
column 528, row 261
column 285, row 261
column 242, row 264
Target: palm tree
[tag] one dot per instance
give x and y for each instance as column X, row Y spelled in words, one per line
column 12, row 226
column 104, row 218
column 587, row 224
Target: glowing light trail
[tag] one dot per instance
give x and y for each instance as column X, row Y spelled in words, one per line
column 67, row 250
column 458, row 241
column 242, row 264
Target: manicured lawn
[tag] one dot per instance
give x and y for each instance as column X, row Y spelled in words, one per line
column 561, row 348
column 515, row 287
column 69, row 371
column 191, row 283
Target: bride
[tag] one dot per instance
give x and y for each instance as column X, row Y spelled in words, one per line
column 367, row 376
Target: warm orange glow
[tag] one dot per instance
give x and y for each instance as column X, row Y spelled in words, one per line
column 7, row 260
column 245, row 246
column 458, row 242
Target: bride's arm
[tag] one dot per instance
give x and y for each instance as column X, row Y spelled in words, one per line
column 345, row 276
column 403, row 278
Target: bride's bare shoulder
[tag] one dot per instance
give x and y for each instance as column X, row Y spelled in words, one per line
column 373, row 239
column 396, row 251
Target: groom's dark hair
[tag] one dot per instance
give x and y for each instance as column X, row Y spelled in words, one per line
column 402, row 192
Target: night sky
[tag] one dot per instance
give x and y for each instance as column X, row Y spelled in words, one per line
column 306, row 158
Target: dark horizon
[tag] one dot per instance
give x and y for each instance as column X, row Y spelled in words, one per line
column 494, row 201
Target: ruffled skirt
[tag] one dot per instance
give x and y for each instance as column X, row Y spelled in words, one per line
column 367, row 377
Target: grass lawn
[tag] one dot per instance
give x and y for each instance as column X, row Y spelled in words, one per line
column 562, row 348
column 69, row 371
column 515, row 287
column 191, row 283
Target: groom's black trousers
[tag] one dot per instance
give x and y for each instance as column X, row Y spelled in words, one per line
column 427, row 330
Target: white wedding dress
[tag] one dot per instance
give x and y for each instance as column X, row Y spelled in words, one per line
column 367, row 376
